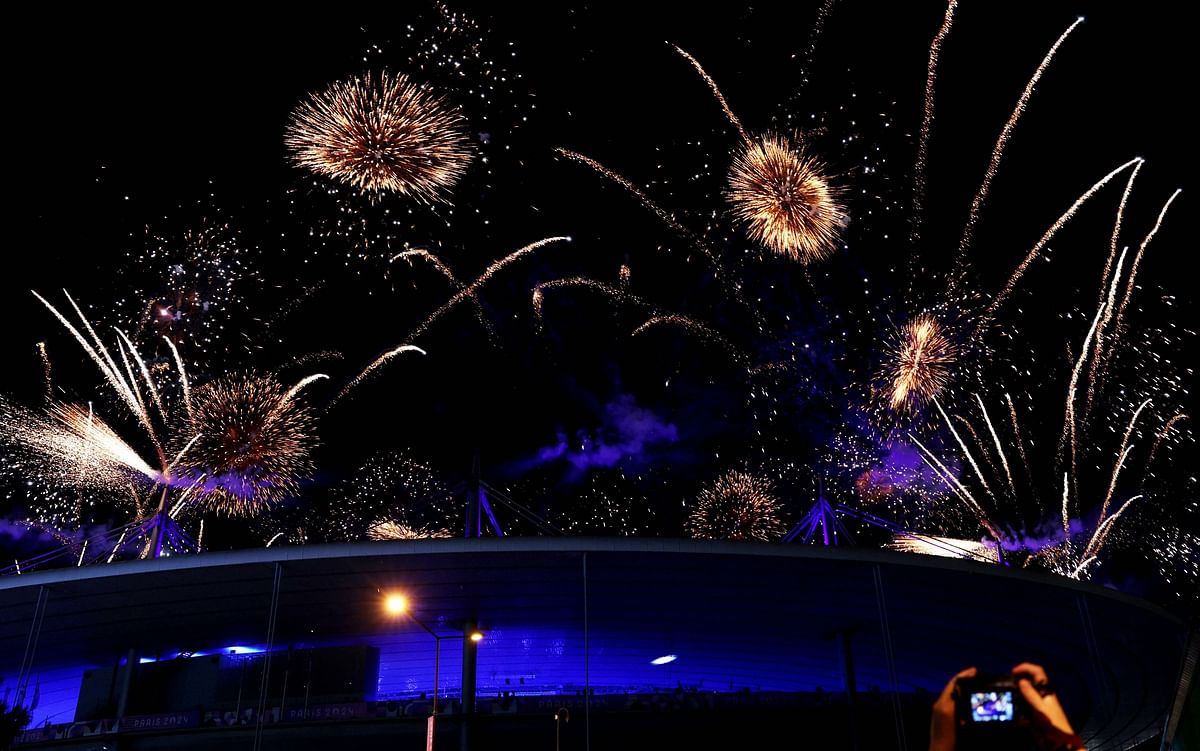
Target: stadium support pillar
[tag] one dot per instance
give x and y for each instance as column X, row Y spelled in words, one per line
column 469, row 655
column 124, row 681
column 850, row 685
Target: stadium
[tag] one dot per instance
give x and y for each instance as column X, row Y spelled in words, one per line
column 582, row 643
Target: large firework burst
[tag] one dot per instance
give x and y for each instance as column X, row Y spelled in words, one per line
column 785, row 199
column 251, row 445
column 737, row 506
column 921, row 363
column 382, row 133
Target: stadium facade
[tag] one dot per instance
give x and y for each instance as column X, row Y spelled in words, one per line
column 586, row 643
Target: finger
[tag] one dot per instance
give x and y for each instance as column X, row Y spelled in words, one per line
column 1031, row 694
column 1036, row 672
column 948, row 691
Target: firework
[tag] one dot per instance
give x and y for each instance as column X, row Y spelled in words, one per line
column 382, row 133
column 72, row 446
column 251, row 446
column 935, row 50
column 737, row 506
column 1002, row 142
column 921, row 364
column 390, row 497
column 648, row 203
column 733, row 119
column 616, row 295
column 187, row 286
column 610, row 504
column 945, row 547
column 467, row 292
column 389, row 530
column 1036, row 250
column 699, row 330
column 785, row 199
column 438, row 264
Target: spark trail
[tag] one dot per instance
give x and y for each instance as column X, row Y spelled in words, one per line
column 1000, row 297
column 964, row 244
column 935, row 50
column 733, row 119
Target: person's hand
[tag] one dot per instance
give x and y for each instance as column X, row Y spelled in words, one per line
column 1051, row 728
column 942, row 727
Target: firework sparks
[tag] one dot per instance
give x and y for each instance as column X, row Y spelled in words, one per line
column 733, row 119
column 45, row 357
column 252, row 445
column 1045, row 238
column 467, row 292
column 188, row 285
column 1137, row 259
column 438, row 264
column 74, row 447
column 921, row 365
column 945, row 547
column 646, row 202
column 390, row 530
column 785, row 199
column 382, row 133
column 1070, row 425
column 1162, row 436
column 737, row 506
column 183, row 379
column 998, row 151
column 616, row 295
column 702, row 332
column 379, row 361
column 390, row 497
column 470, row 290
column 935, row 49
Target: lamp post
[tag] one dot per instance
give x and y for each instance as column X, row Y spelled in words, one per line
column 397, row 604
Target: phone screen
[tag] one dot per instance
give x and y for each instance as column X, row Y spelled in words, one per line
column 992, row 706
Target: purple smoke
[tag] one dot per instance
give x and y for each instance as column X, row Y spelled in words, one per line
column 626, row 433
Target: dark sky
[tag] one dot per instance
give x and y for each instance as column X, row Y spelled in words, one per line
column 120, row 122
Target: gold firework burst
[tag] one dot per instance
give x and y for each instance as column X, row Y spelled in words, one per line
column 737, row 506
column 382, row 133
column 785, row 199
column 387, row 529
column 921, row 365
column 251, row 445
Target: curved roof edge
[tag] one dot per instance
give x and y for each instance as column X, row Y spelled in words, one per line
column 561, row 545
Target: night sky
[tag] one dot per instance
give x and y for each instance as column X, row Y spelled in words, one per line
column 129, row 132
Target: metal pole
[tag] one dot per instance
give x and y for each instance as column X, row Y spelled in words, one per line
column 262, row 692
column 889, row 656
column 160, row 524
column 851, row 685
column 469, row 653
column 35, row 631
column 587, row 678
column 437, row 666
column 125, row 681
